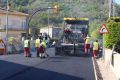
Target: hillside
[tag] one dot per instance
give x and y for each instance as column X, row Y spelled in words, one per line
column 95, row 10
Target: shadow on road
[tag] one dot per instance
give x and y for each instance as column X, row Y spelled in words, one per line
column 14, row 71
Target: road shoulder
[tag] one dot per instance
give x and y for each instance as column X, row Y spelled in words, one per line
column 105, row 70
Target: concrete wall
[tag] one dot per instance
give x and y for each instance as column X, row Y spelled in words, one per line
column 53, row 32
column 46, row 30
column 14, row 22
column 113, row 60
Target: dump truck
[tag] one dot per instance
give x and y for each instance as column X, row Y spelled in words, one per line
column 72, row 41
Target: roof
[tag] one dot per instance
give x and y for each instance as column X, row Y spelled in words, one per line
column 13, row 12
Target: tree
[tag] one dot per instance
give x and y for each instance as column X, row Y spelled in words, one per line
column 113, row 37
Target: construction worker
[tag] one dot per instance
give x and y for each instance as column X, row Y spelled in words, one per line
column 37, row 45
column 42, row 50
column 27, row 47
column 87, row 44
column 43, row 44
column 95, row 48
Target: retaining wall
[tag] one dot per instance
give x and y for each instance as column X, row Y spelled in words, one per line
column 112, row 59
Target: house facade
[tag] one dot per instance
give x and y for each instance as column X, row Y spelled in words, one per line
column 16, row 24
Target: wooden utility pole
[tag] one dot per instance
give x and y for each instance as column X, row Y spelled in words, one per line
column 111, row 8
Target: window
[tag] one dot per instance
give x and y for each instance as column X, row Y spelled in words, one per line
column 24, row 25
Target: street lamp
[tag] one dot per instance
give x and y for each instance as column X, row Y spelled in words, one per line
column 56, row 10
column 37, row 10
column 7, row 8
column 48, row 19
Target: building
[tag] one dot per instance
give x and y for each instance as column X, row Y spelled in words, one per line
column 16, row 24
column 54, row 32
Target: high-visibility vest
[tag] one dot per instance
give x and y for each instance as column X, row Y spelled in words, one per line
column 26, row 43
column 44, row 44
column 37, row 42
column 87, row 40
column 95, row 46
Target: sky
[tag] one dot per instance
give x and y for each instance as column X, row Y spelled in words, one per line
column 117, row 1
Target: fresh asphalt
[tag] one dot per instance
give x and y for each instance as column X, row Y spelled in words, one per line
column 17, row 67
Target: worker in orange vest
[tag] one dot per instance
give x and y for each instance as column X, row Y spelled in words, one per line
column 87, row 44
column 95, row 48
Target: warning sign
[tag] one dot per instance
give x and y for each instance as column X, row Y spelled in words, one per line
column 103, row 29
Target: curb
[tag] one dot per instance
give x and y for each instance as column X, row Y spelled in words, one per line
column 98, row 75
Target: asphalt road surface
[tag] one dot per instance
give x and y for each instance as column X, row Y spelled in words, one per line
column 59, row 68
column 17, row 67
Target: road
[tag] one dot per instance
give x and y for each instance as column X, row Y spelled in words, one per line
column 16, row 67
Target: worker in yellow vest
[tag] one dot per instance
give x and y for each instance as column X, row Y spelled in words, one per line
column 43, row 49
column 95, row 48
column 44, row 43
column 27, row 47
column 87, row 44
column 37, row 45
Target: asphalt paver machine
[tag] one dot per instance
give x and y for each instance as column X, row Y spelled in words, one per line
column 72, row 41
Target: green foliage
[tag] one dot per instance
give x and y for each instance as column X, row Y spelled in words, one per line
column 114, row 36
column 95, row 35
column 113, row 19
column 93, row 30
column 93, row 9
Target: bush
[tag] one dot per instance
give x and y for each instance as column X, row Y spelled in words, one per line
column 114, row 36
column 113, row 19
